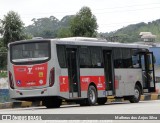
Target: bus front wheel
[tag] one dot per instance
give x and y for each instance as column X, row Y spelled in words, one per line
column 137, row 95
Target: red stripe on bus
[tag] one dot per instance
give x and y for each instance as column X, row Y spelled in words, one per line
column 99, row 81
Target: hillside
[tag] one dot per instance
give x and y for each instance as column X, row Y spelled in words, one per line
column 131, row 32
column 47, row 27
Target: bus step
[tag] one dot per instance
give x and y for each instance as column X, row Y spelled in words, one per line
column 110, row 97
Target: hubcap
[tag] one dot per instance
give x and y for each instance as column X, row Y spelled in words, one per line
column 92, row 95
column 136, row 93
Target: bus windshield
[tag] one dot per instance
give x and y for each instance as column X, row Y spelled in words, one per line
column 25, row 52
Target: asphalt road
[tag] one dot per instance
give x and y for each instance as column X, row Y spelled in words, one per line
column 143, row 107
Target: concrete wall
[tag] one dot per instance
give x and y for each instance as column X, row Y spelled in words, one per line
column 4, row 93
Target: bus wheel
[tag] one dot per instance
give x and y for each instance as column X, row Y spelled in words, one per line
column 55, row 103
column 92, row 95
column 137, row 95
column 101, row 101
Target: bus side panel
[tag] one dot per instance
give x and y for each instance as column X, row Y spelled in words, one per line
column 92, row 75
column 126, row 80
column 63, row 81
column 87, row 75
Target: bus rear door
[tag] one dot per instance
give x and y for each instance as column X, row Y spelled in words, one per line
column 73, row 73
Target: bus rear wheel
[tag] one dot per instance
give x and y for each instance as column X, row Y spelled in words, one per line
column 137, row 95
column 52, row 103
column 91, row 96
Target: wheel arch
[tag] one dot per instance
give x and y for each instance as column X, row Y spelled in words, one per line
column 93, row 84
column 138, row 83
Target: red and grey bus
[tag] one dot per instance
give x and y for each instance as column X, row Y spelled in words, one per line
column 86, row 71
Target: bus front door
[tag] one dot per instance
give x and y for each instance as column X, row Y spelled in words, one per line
column 73, row 73
column 147, row 65
column 108, row 70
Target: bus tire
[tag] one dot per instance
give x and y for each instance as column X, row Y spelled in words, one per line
column 101, row 101
column 56, row 103
column 137, row 95
column 91, row 96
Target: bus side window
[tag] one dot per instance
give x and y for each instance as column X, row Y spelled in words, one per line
column 96, row 57
column 85, row 57
column 126, row 58
column 118, row 58
column 135, row 61
column 61, row 56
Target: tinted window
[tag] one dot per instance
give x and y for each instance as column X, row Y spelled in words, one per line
column 96, row 56
column 135, row 58
column 31, row 52
column 85, row 59
column 126, row 58
column 61, row 56
column 118, row 58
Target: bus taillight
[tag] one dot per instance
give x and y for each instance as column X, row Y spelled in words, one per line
column 51, row 78
column 11, row 80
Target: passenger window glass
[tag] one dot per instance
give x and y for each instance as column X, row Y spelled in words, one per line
column 126, row 58
column 61, row 56
column 85, row 60
column 118, row 58
column 96, row 56
column 135, row 58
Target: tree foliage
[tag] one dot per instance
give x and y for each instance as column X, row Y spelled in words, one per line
column 64, row 32
column 3, row 55
column 43, row 27
column 12, row 28
column 84, row 23
column 49, row 27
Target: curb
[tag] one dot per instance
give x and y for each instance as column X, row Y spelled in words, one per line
column 19, row 104
column 6, row 105
column 22, row 104
column 150, row 97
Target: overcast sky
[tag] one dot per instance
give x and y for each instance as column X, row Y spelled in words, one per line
column 111, row 14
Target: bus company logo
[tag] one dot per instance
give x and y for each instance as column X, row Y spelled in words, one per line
column 30, row 70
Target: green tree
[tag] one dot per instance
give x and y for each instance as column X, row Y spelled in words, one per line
column 3, row 56
column 84, row 23
column 12, row 28
column 64, row 32
column 43, row 27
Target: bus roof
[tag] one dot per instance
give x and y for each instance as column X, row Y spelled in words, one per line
column 96, row 42
column 86, row 42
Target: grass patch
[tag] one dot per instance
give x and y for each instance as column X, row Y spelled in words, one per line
column 3, row 74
